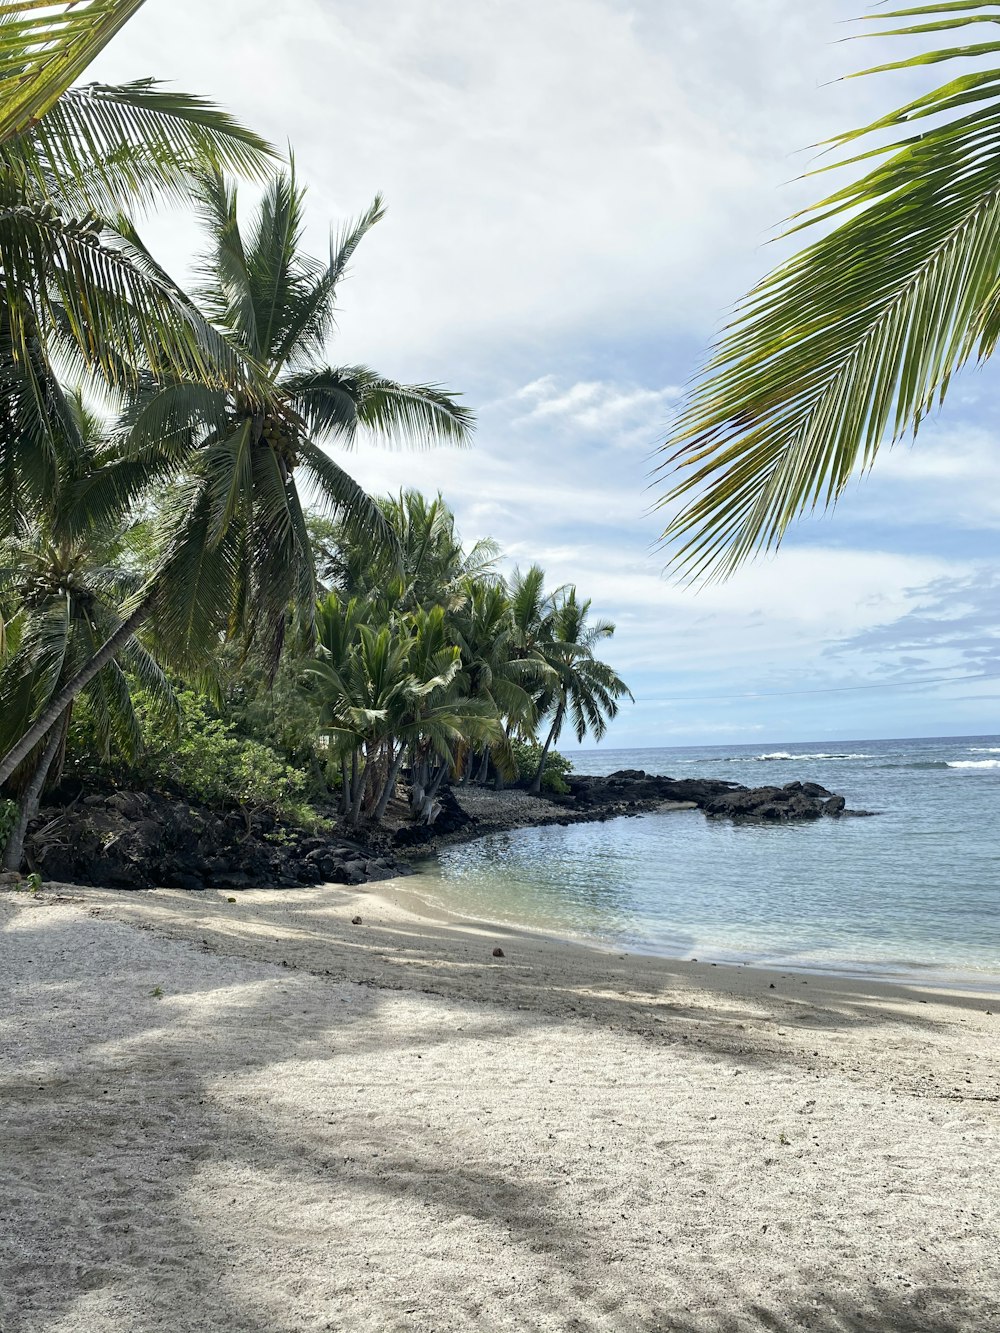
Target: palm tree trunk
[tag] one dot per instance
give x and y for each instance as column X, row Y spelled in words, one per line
column 536, row 785
column 427, row 811
column 360, row 785
column 390, row 784
column 418, row 786
column 435, row 786
column 345, row 788
column 30, row 801
column 484, row 767
column 498, row 778
column 59, row 702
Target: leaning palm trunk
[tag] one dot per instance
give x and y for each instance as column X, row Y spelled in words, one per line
column 536, row 785
column 54, row 710
column 439, row 777
column 362, row 776
column 429, row 807
column 390, row 784
column 418, row 788
column 30, row 801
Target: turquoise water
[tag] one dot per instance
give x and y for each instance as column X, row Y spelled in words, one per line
column 912, row 893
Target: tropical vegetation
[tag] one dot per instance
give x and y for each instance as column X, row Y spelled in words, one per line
column 851, row 342
column 194, row 594
column 398, row 693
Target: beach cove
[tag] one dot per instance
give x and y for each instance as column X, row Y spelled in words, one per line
column 257, row 1114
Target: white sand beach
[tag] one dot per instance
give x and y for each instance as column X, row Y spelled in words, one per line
column 256, row 1116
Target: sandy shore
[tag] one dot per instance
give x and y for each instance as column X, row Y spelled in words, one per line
column 256, row 1117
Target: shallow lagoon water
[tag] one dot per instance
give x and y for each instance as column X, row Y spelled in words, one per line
column 914, row 892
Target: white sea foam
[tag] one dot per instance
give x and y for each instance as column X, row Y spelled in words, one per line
column 984, row 749
column 784, row 755
column 974, row 763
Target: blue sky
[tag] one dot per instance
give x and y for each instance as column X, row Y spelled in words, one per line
column 578, row 191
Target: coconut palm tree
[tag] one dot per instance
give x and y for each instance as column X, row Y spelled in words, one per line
column 73, row 285
column 73, row 162
column 493, row 669
column 584, row 689
column 388, row 691
column 427, row 565
column 852, row 341
column 278, row 306
column 63, row 582
column 45, row 48
column 240, row 556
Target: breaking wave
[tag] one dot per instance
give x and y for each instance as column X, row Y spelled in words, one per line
column 784, row 756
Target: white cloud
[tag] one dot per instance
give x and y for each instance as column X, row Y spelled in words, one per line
column 578, row 191
column 548, row 167
column 626, row 413
column 792, row 608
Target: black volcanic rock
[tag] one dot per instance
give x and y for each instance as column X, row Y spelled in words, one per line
column 139, row 840
column 632, row 788
column 452, row 819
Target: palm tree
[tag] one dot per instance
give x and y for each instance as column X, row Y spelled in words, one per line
column 45, row 48
column 446, row 722
column 72, row 277
column 427, row 565
column 493, row 669
column 63, row 581
column 241, row 557
column 278, row 306
column 584, row 689
column 386, row 691
column 74, row 285
column 853, row 340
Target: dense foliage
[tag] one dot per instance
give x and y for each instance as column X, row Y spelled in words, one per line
column 437, row 664
column 197, row 755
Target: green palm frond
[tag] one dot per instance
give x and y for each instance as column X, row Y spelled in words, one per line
column 228, row 467
column 335, row 401
column 312, row 317
column 226, row 290
column 37, row 426
column 113, row 304
column 852, row 341
column 339, row 493
column 171, row 419
column 45, row 45
column 275, row 263
column 112, row 149
column 196, row 582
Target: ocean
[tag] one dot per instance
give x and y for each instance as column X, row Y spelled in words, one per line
column 913, row 894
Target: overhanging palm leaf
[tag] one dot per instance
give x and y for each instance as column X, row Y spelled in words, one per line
column 80, row 278
column 45, row 46
column 853, row 340
column 113, row 148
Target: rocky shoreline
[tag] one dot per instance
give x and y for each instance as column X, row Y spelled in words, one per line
column 141, row 840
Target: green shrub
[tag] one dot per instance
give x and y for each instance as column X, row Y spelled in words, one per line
column 528, row 755
column 207, row 760
column 211, row 763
